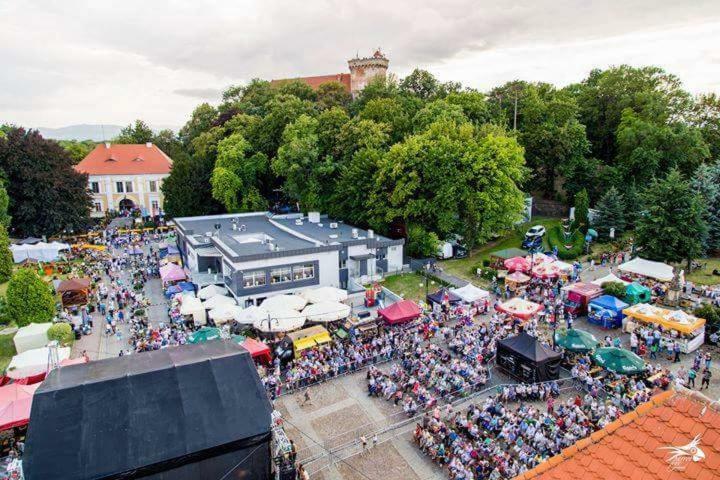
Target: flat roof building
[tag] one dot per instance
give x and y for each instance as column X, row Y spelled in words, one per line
column 259, row 254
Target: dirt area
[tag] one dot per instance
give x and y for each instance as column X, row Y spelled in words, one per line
column 383, row 462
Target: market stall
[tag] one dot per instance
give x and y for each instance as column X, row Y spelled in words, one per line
column 610, row 278
column 191, row 306
column 309, row 338
column 74, row 291
column 31, row 366
column 470, row 293
column 217, row 301
column 15, row 403
column 211, row 290
column 294, row 302
column 519, row 308
column 675, row 325
column 400, row 312
column 41, row 251
column 443, row 296
column 325, row 312
column 516, row 281
column 525, row 358
column 280, row 319
column 647, row 268
column 517, row 264
column 498, row 257
column 251, row 314
column 172, row 272
column 258, row 350
column 578, row 295
column 636, row 293
column 31, row 336
column 224, row 313
column 606, row 311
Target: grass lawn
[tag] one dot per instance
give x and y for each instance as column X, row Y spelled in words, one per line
column 703, row 276
column 410, row 286
column 465, row 267
column 7, row 351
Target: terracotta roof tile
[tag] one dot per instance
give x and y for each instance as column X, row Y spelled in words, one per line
column 125, row 160
column 630, row 448
column 316, row 81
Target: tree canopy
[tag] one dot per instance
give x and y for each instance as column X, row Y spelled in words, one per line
column 29, row 299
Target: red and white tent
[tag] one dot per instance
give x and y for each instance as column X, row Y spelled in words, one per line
column 517, row 307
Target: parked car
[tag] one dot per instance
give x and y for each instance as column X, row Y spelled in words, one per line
column 533, row 238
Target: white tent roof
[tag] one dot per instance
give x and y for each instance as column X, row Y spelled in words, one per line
column 193, row 306
column 325, row 294
column 326, row 311
column 218, row 300
column 31, row 336
column 44, row 252
column 282, row 319
column 563, row 266
column 609, row 278
column 294, row 302
column 212, row 290
column 470, row 293
column 252, row 314
column 647, row 268
column 33, row 362
column 224, row 313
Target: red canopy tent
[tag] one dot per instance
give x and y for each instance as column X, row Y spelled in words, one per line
column 517, row 264
column 15, row 403
column 517, row 307
column 400, row 312
column 257, row 349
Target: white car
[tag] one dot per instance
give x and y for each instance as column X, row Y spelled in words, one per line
column 536, row 231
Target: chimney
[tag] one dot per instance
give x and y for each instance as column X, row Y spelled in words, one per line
column 148, row 144
column 107, row 144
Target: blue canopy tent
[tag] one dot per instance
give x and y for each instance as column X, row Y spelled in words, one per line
column 606, row 311
column 179, row 287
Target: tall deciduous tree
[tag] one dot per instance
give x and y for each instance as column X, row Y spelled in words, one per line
column 610, row 213
column 706, row 182
column 47, row 195
column 705, row 115
column 582, row 206
column 77, row 149
column 202, row 120
column 420, row 83
column 236, row 177
column 5, row 217
column 332, row 94
column 29, row 299
column 139, row 132
column 673, row 227
column 6, row 258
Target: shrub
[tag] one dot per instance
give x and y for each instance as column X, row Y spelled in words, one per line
column 489, row 273
column 62, row 332
column 486, row 262
column 29, row 299
column 556, row 239
column 710, row 313
column 616, row 289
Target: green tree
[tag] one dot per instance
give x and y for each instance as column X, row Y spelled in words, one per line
column 5, row 217
column 187, row 190
column 29, row 299
column 201, row 120
column 706, row 182
column 434, row 111
column 420, row 83
column 610, row 213
column 137, row 133
column 473, row 104
column 582, row 205
column 673, row 227
column 616, row 289
column 6, row 258
column 349, row 199
column 390, row 112
column 421, row 243
column 705, row 115
column 266, row 135
column 236, row 177
column 332, row 94
column 297, row 88
column 47, row 195
column 62, row 333
column 77, row 149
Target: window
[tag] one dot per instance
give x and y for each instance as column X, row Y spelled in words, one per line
column 155, row 206
column 280, row 275
column 254, row 279
column 98, row 207
column 94, row 187
column 153, row 186
column 128, row 187
column 303, row 272
column 119, row 187
column 343, row 263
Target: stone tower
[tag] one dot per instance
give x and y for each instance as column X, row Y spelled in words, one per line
column 362, row 70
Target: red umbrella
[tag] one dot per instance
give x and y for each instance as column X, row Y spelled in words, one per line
column 517, row 264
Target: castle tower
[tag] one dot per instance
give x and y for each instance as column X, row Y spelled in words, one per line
column 362, row 70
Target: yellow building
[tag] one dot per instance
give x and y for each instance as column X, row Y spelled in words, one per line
column 126, row 177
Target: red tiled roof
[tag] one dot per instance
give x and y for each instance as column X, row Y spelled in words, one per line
column 125, row 160
column 632, row 447
column 315, row 82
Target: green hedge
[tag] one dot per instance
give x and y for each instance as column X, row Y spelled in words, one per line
column 62, row 332
column 556, row 239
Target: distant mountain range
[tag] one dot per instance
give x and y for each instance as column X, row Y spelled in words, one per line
column 97, row 133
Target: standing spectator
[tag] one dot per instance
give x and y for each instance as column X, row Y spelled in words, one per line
column 691, row 378
column 707, row 374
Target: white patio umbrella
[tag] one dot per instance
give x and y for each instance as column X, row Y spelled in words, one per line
column 212, row 290
column 280, row 319
column 325, row 294
column 224, row 313
column 294, row 302
column 326, row 311
column 218, row 300
column 251, row 314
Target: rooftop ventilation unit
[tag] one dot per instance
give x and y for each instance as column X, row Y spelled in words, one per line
column 371, row 234
column 314, row 217
column 355, row 233
column 333, row 225
column 298, row 221
column 333, row 236
column 320, row 225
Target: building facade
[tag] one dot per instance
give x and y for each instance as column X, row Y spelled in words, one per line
column 362, row 71
column 257, row 255
column 126, row 178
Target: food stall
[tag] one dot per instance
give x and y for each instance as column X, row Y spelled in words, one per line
column 516, row 281
column 74, row 291
column 636, row 293
column 308, row 338
column 517, row 264
column 687, row 329
column 578, row 295
column 498, row 257
column 400, row 312
column 606, row 311
column 519, row 308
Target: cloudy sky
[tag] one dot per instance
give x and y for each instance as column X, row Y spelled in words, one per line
column 102, row 62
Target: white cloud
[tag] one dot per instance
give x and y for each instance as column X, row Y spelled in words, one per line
column 88, row 61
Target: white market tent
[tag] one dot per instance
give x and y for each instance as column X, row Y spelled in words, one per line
column 281, row 319
column 323, row 312
column 609, row 278
column 251, row 314
column 193, row 306
column 31, row 336
column 470, row 293
column 33, row 362
column 218, row 300
column 212, row 290
column 42, row 252
column 647, row 268
column 293, row 302
column 325, row 294
column 224, row 313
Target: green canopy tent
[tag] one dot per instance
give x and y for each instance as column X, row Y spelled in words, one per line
column 204, row 334
column 636, row 293
column 498, row 257
column 578, row 341
column 619, row 360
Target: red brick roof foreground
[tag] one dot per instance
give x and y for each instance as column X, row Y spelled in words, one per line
column 125, row 160
column 315, row 82
column 631, row 447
